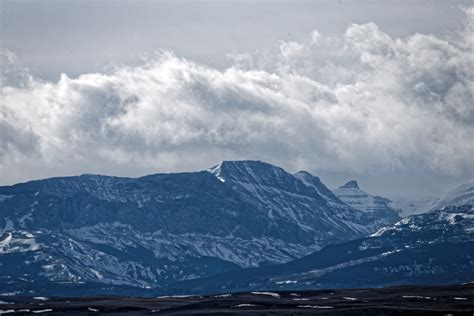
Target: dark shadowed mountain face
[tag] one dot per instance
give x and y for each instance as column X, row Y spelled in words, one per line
column 433, row 248
column 163, row 228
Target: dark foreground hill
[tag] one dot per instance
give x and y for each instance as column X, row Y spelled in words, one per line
column 406, row 300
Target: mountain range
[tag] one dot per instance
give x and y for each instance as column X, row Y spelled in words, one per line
column 102, row 234
column 431, row 248
column 163, row 228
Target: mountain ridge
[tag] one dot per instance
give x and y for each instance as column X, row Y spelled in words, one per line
column 461, row 195
column 161, row 228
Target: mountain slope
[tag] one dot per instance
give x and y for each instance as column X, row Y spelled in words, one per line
column 463, row 194
column 379, row 208
column 159, row 229
column 433, row 248
column 285, row 198
column 410, row 206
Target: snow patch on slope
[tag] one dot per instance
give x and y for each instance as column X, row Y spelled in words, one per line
column 15, row 241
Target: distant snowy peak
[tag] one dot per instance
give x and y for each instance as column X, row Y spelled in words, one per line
column 380, row 207
column 407, row 206
column 351, row 194
column 352, row 184
column 462, row 195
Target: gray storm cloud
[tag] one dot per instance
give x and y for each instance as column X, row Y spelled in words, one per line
column 359, row 103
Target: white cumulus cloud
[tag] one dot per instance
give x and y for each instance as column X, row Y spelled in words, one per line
column 359, row 103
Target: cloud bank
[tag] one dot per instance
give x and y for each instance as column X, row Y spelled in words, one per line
column 363, row 102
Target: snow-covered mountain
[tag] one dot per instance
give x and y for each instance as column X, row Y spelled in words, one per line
column 462, row 195
column 382, row 209
column 431, row 248
column 410, row 206
column 162, row 228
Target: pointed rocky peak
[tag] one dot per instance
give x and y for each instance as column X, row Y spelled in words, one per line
column 352, row 184
column 381, row 208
